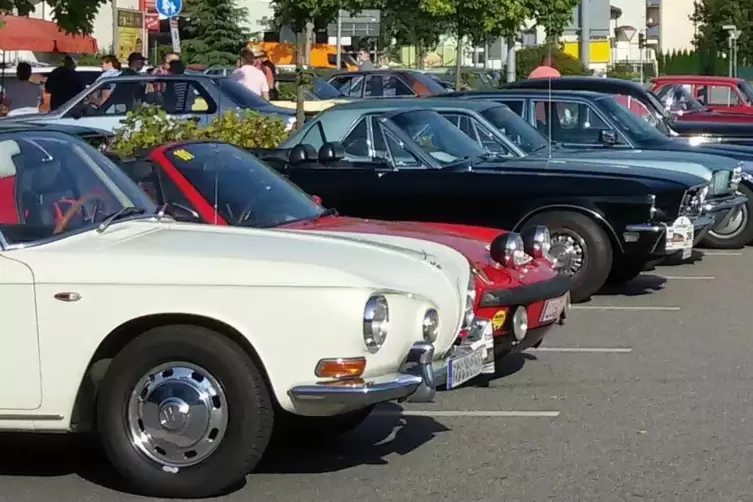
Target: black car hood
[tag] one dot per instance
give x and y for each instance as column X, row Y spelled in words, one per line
column 573, row 166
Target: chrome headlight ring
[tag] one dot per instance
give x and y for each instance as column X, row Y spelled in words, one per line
column 376, row 322
column 520, row 323
column 470, row 302
column 537, row 241
column 430, row 325
column 509, row 250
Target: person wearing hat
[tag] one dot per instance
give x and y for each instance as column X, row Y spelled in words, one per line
column 63, row 83
column 249, row 76
column 136, row 62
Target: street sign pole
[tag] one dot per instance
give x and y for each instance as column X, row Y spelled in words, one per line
column 170, row 9
column 175, row 34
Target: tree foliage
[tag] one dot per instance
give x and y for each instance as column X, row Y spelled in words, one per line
column 553, row 15
column 711, row 38
column 213, row 34
column 408, row 25
column 73, row 16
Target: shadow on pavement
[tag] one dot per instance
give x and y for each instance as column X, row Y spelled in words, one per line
column 380, row 436
column 644, row 284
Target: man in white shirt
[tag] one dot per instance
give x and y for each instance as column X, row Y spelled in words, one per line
column 21, row 96
column 251, row 77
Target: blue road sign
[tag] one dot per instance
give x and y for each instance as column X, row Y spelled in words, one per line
column 169, row 8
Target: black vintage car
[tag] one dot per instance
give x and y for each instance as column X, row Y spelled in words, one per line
column 591, row 122
column 608, row 223
column 727, row 132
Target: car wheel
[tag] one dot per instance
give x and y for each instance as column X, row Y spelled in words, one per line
column 183, row 412
column 581, row 250
column 297, row 428
column 738, row 231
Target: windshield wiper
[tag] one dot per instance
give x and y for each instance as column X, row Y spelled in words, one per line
column 123, row 212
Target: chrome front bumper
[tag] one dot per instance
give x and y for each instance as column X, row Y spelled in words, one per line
column 416, row 373
column 701, row 226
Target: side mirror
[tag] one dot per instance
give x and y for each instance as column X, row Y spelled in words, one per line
column 300, row 154
column 607, row 137
column 331, row 152
column 317, row 199
column 182, row 213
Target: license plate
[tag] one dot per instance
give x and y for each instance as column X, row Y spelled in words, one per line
column 464, row 368
column 680, row 236
column 553, row 309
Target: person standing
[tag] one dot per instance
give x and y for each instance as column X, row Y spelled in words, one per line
column 21, row 96
column 163, row 69
column 136, row 62
column 63, row 83
column 249, row 76
column 262, row 62
column 364, row 60
column 546, row 69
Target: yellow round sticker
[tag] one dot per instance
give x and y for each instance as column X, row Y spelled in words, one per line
column 499, row 319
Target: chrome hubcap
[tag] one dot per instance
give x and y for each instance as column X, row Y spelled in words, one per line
column 568, row 252
column 734, row 226
column 177, row 414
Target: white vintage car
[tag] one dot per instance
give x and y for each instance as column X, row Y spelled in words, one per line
column 184, row 344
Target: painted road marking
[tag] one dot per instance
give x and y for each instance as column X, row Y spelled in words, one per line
column 688, row 277
column 720, row 253
column 616, row 307
column 616, row 350
column 468, row 413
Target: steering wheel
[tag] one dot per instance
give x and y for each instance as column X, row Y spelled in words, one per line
column 76, row 207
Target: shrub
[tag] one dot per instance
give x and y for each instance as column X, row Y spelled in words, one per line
column 149, row 126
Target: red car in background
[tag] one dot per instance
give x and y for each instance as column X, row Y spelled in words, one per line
column 717, row 94
column 517, row 291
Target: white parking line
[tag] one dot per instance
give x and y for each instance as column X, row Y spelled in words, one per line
column 688, row 277
column 468, row 413
column 615, row 307
column 720, row 253
column 617, row 350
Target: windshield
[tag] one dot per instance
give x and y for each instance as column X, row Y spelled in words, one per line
column 637, row 128
column 325, row 90
column 240, row 95
column 747, row 91
column 437, row 136
column 678, row 98
column 243, row 190
column 512, row 125
column 52, row 185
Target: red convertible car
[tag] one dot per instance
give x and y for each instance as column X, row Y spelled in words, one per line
column 518, row 296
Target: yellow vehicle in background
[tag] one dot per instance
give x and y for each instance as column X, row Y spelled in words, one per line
column 322, row 55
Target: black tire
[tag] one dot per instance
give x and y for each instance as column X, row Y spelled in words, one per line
column 250, row 415
column 740, row 236
column 624, row 272
column 598, row 253
column 312, row 430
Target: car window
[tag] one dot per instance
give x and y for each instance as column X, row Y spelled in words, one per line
column 386, row 86
column 515, row 105
column 146, row 176
column 176, row 97
column 569, row 122
column 349, row 86
column 400, row 156
column 718, row 95
column 356, row 142
column 243, row 189
column 52, row 185
column 515, row 128
column 461, row 122
column 488, row 140
column 314, row 136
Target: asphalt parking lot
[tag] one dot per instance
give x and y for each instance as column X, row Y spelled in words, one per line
column 642, row 395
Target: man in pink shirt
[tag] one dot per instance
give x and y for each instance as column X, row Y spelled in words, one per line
column 251, row 77
column 545, row 70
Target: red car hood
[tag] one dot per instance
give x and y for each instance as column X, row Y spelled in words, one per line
column 471, row 241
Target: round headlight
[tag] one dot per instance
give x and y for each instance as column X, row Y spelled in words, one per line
column 520, row 323
column 376, row 322
column 536, row 241
column 508, row 249
column 431, row 325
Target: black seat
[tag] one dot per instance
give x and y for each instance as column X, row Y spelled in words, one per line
column 46, row 189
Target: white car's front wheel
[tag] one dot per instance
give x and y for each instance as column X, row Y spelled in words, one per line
column 183, row 412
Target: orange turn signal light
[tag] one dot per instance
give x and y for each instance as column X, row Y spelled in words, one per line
column 351, row 367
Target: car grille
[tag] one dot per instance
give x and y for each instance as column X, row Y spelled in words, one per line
column 720, row 182
column 692, row 201
column 737, row 177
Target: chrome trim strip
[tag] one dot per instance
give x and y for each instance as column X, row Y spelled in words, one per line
column 30, row 416
column 3, row 243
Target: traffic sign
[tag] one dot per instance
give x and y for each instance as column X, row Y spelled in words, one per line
column 169, row 8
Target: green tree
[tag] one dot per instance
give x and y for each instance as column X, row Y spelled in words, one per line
column 301, row 14
column 553, row 16
column 213, row 32
column 479, row 19
column 711, row 38
column 72, row 16
column 408, row 25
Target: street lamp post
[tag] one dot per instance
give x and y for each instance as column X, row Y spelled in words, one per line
column 733, row 34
